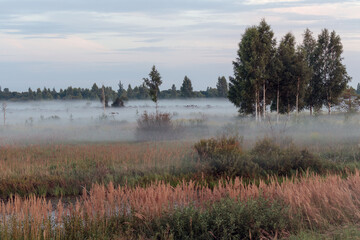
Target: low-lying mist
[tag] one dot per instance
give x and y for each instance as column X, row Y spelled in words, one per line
column 86, row 121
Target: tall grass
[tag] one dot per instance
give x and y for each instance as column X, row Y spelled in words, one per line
column 54, row 170
column 314, row 201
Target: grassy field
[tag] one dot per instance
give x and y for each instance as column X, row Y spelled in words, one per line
column 226, row 187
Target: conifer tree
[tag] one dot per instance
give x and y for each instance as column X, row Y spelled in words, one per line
column 186, row 89
column 153, row 83
column 222, row 87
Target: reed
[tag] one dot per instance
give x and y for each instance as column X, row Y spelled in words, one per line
column 316, row 200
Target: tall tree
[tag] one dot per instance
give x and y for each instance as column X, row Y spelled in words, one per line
column 244, row 87
column 288, row 78
column 153, row 83
column 313, row 88
column 302, row 73
column 275, row 72
column 222, row 87
column 265, row 52
column 252, row 70
column 186, row 89
column 358, row 88
column 329, row 68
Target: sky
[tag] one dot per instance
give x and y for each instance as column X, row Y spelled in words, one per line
column 56, row 44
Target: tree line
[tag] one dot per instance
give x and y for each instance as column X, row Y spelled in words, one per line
column 138, row 92
column 287, row 77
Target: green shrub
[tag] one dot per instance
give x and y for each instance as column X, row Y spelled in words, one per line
column 221, row 156
column 273, row 159
column 224, row 156
column 227, row 219
column 212, row 148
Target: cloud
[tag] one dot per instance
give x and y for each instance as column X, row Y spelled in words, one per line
column 343, row 10
column 262, row 2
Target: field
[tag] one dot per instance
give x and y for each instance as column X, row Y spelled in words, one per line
column 296, row 179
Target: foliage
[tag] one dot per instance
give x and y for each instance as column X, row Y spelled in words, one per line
column 186, row 89
column 329, row 69
column 227, row 219
column 311, row 76
column 274, row 160
column 224, row 156
column 153, row 83
column 210, row 148
column 222, row 87
column 252, row 70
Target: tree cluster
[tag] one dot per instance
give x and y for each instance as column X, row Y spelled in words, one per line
column 95, row 93
column 286, row 77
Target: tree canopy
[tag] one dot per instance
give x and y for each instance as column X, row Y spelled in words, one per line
column 289, row 77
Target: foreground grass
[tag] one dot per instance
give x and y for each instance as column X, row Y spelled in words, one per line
column 301, row 206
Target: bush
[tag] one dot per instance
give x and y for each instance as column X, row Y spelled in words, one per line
column 212, row 148
column 155, row 126
column 224, row 156
column 273, row 159
column 227, row 219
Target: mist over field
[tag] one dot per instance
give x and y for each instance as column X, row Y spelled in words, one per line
column 68, row 121
column 86, row 121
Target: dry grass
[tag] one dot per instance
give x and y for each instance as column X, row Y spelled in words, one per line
column 40, row 169
column 319, row 201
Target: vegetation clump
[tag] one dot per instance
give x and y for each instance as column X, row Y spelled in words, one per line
column 224, row 156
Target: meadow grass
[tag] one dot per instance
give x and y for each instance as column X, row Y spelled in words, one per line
column 55, row 170
column 214, row 188
column 312, row 203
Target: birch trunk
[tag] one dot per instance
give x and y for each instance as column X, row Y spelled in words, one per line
column 277, row 104
column 264, row 100
column 297, row 96
column 256, row 106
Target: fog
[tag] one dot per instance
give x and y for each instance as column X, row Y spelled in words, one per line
column 86, row 121
column 68, row 121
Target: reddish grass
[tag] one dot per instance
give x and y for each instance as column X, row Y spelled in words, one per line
column 319, row 201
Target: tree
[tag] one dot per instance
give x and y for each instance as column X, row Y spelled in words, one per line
column 222, row 87
column 173, row 91
column 244, row 87
column 312, row 96
column 358, row 88
column 129, row 92
column 153, row 83
column 186, row 89
column 329, row 68
column 95, row 93
column 350, row 100
column 265, row 53
column 252, row 70
column 303, row 75
column 121, row 91
column 288, row 79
